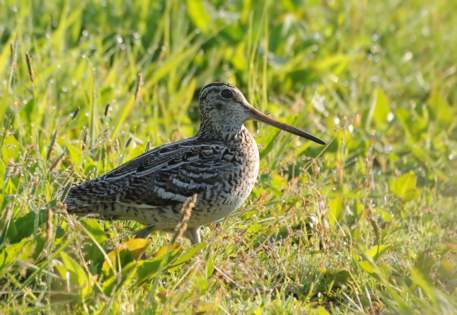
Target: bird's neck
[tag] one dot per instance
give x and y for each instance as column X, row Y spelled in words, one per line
column 226, row 134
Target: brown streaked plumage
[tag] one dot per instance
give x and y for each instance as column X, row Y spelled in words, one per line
column 219, row 164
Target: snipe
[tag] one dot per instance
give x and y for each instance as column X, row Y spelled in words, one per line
column 219, row 164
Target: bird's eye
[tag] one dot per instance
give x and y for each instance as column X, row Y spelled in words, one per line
column 226, row 93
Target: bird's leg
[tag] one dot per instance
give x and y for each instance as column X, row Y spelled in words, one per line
column 193, row 234
column 143, row 233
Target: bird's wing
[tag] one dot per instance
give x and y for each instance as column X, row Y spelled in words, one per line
column 154, row 157
column 189, row 170
column 167, row 175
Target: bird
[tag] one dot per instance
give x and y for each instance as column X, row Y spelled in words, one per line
column 219, row 165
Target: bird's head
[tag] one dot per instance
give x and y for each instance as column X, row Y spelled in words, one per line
column 224, row 109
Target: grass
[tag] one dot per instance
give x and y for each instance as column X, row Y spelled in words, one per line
column 366, row 225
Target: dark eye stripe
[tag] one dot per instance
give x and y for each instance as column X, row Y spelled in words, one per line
column 207, row 88
column 226, row 93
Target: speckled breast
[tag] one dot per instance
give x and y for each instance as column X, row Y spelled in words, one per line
column 234, row 188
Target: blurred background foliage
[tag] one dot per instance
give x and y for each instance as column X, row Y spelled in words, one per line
column 365, row 225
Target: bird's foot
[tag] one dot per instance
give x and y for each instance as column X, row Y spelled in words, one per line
column 193, row 234
column 143, row 233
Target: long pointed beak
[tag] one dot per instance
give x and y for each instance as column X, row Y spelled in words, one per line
column 258, row 115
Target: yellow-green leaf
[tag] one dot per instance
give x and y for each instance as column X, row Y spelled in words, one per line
column 13, row 253
column 189, row 253
column 10, row 148
column 70, row 270
column 367, row 266
column 199, row 15
column 440, row 108
column 375, row 251
column 419, row 279
column 125, row 253
column 335, row 209
column 124, row 112
column 404, row 187
column 379, row 110
column 75, row 154
column 320, row 310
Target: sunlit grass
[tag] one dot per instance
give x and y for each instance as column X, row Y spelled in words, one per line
column 366, row 225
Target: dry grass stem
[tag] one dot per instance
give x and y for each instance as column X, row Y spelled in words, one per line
column 186, row 213
column 28, row 59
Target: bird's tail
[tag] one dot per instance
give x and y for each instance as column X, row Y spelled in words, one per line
column 78, row 203
column 91, row 197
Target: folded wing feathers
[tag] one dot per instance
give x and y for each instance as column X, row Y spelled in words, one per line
column 164, row 176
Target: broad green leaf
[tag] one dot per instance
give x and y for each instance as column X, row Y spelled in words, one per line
column 93, row 250
column 404, row 187
column 137, row 246
column 166, row 250
column 379, row 110
column 421, row 281
column 335, row 209
column 320, row 310
column 75, row 154
column 125, row 253
column 188, row 254
column 386, row 216
column 15, row 252
column 278, row 182
column 440, row 108
column 254, row 228
column 376, row 251
column 210, row 267
column 71, row 271
column 24, row 226
column 199, row 15
column 125, row 277
column 10, row 149
column 258, row 311
column 367, row 266
column 147, row 269
column 94, row 227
